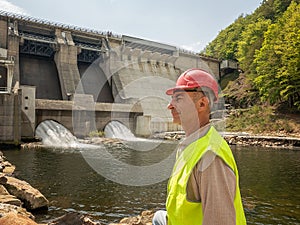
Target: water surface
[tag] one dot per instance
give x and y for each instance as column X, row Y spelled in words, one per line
column 269, row 179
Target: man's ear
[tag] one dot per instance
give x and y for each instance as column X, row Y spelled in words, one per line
column 203, row 104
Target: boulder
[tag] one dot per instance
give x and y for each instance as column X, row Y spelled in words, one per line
column 7, row 208
column 6, row 198
column 144, row 219
column 3, row 178
column 16, row 219
column 3, row 190
column 7, row 167
column 10, row 199
column 73, row 219
column 32, row 198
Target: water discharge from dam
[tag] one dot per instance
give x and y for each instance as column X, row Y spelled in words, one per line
column 116, row 129
column 54, row 134
column 108, row 161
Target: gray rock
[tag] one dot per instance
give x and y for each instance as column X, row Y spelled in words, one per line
column 7, row 208
column 32, row 198
column 73, row 219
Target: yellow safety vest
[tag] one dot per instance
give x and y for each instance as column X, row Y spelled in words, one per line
column 183, row 212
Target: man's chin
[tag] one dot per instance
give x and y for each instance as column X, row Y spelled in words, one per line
column 177, row 121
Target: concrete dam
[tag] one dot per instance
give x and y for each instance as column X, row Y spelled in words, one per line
column 83, row 78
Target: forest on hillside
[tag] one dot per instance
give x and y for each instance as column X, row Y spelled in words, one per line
column 266, row 45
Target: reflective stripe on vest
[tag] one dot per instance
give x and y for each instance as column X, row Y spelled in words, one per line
column 183, row 212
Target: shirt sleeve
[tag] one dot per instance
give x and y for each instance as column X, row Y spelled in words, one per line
column 215, row 187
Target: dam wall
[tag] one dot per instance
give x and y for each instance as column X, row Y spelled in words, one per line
column 41, row 73
column 143, row 76
column 57, row 63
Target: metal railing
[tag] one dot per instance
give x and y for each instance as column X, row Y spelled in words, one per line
column 39, row 38
column 76, row 28
column 5, row 90
column 57, row 24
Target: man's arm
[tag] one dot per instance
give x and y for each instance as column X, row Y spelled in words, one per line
column 217, row 185
column 217, row 191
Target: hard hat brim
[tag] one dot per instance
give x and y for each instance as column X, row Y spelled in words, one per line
column 170, row 91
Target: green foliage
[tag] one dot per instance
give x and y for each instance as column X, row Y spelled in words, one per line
column 96, row 133
column 260, row 120
column 267, row 47
column 250, row 41
column 225, row 45
column 254, row 119
column 272, row 9
column 278, row 61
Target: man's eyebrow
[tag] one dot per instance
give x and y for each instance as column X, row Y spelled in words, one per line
column 177, row 95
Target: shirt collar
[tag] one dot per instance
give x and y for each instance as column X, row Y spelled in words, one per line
column 193, row 137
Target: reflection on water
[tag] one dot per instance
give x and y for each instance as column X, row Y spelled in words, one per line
column 270, row 184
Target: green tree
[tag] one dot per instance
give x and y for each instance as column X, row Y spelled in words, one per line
column 250, row 41
column 272, row 9
column 289, row 73
column 278, row 61
column 225, row 45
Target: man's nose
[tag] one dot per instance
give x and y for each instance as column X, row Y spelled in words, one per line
column 170, row 106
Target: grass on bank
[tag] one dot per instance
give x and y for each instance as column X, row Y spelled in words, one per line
column 96, row 133
column 263, row 120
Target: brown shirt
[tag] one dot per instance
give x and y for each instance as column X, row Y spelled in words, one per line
column 213, row 183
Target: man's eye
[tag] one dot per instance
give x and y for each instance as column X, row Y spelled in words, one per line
column 178, row 98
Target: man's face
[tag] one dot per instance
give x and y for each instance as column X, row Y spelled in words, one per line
column 183, row 107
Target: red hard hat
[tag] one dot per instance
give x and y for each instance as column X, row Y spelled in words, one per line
column 195, row 78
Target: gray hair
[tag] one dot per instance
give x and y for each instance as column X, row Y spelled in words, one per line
column 211, row 96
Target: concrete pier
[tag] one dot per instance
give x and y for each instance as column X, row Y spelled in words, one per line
column 10, row 118
column 66, row 62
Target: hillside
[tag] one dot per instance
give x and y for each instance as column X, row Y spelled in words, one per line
column 266, row 44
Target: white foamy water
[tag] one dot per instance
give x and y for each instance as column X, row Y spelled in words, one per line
column 116, row 129
column 54, row 134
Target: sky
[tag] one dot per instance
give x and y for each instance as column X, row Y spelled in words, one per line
column 187, row 24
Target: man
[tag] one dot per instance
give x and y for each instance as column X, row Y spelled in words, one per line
column 204, row 185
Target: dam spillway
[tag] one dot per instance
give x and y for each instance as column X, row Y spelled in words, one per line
column 65, row 73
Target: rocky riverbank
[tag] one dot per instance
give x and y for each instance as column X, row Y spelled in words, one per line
column 233, row 138
column 245, row 139
column 263, row 141
column 17, row 197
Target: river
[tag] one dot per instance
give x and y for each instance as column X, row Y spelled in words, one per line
column 269, row 180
